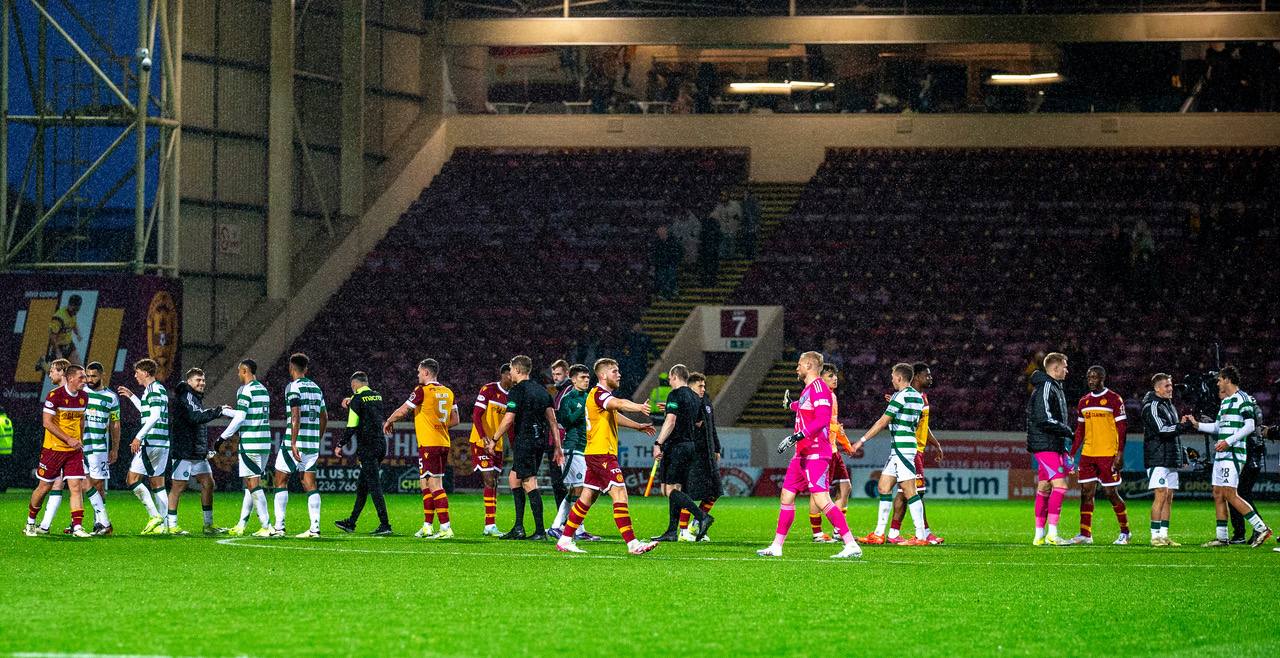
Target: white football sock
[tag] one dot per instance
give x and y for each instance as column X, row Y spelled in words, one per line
column 51, row 508
column 562, row 514
column 886, row 510
column 246, row 507
column 917, row 517
column 143, row 494
column 282, row 504
column 208, row 516
column 1052, row 530
column 162, row 498
column 313, row 509
column 1039, row 534
column 99, row 507
column 260, row 502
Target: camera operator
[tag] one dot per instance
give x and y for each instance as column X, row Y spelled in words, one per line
column 1162, row 453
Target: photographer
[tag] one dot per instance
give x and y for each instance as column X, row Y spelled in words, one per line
column 1162, row 453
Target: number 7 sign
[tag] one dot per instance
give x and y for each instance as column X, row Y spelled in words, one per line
column 739, row 323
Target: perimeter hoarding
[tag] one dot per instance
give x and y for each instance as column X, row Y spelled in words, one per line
column 114, row 319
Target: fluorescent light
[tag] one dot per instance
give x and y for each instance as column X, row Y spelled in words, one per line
column 1031, row 79
column 779, row 88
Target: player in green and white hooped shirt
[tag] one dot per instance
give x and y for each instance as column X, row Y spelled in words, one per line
column 1237, row 417
column 151, row 445
column 251, row 417
column 101, row 443
column 902, row 417
column 308, row 420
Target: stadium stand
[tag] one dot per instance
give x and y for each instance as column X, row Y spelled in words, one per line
column 510, row 251
column 977, row 259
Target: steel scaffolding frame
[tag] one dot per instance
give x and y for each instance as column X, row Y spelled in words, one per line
column 133, row 117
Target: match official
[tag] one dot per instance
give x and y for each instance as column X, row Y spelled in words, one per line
column 704, row 482
column 365, row 418
column 675, row 450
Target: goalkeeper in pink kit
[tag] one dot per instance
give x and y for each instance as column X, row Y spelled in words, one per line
column 814, row 449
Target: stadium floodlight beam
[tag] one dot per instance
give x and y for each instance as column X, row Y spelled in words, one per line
column 1028, row 79
column 161, row 18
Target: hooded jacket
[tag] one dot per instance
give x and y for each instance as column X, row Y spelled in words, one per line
column 1161, row 444
column 1047, row 426
column 188, row 438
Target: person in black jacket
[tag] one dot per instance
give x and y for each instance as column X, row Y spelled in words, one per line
column 1048, row 437
column 1162, row 453
column 365, row 418
column 676, row 451
column 705, row 483
column 189, row 448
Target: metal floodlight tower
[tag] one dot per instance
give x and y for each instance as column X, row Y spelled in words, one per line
column 132, row 116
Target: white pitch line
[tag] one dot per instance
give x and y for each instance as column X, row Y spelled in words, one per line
column 236, row 541
column 31, row 654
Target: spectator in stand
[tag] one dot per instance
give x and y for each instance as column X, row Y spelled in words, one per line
column 1146, row 275
column 728, row 213
column 687, row 231
column 666, row 257
column 1116, row 256
column 709, row 250
column 750, row 222
column 683, row 103
column 831, row 353
column 634, row 363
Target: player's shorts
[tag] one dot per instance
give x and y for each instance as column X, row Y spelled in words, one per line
column 432, row 460
column 837, row 472
column 66, row 464
column 806, row 475
column 603, row 473
column 1099, row 469
column 901, row 465
column 151, row 462
column 185, row 469
column 527, row 458
column 252, row 463
column 575, row 469
column 482, row 461
column 674, row 466
column 96, row 465
column 1050, row 466
column 921, row 483
column 1160, row 477
column 1226, row 473
column 286, row 464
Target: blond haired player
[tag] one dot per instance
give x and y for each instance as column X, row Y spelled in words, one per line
column 601, row 454
column 433, row 414
column 63, row 453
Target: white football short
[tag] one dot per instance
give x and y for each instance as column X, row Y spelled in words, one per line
column 96, row 466
column 1226, row 474
column 151, row 462
column 251, row 464
column 1159, row 477
column 185, row 469
column 286, row 464
column 575, row 470
column 901, row 465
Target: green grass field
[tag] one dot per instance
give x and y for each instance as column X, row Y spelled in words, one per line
column 986, row 591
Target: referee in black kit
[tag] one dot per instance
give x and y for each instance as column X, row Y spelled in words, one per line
column 365, row 417
column 532, row 419
column 675, row 451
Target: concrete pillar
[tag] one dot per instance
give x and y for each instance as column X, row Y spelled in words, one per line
column 280, row 152
column 351, row 160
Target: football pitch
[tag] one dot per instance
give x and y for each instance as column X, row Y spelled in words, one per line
column 986, row 591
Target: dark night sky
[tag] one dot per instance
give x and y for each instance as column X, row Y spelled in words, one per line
column 117, row 22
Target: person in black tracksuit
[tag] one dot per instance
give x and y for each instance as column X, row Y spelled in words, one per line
column 1162, row 453
column 365, row 417
column 675, row 451
column 189, row 445
column 705, row 483
column 1049, row 435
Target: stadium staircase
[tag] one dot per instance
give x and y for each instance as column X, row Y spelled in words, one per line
column 663, row 318
column 765, row 408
